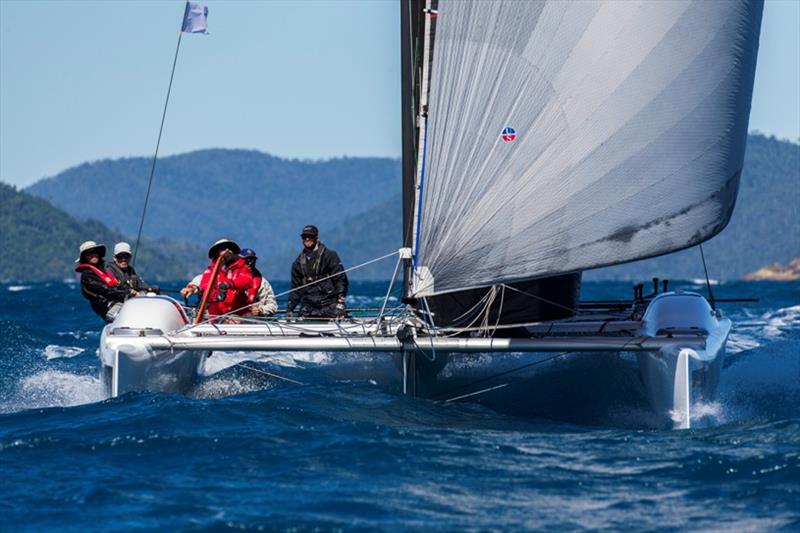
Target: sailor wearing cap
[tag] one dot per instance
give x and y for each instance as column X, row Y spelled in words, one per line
column 260, row 293
column 319, row 283
column 101, row 288
column 121, row 268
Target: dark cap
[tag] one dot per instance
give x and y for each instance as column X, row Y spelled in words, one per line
column 248, row 252
column 310, row 230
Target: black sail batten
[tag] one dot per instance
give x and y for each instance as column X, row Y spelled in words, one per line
column 527, row 301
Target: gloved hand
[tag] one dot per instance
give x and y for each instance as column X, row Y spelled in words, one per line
column 155, row 288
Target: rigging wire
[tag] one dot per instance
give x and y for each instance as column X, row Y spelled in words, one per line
column 495, row 376
column 270, row 374
column 708, row 281
column 155, row 156
column 233, row 312
column 535, row 297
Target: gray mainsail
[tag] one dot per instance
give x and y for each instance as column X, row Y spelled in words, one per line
column 564, row 136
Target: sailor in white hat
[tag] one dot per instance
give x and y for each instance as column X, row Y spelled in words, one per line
column 125, row 273
column 100, row 287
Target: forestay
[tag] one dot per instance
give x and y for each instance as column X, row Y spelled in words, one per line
column 630, row 120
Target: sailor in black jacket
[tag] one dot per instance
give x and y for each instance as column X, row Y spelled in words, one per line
column 319, row 283
column 121, row 268
column 102, row 289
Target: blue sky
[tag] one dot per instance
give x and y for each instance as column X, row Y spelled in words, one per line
column 81, row 81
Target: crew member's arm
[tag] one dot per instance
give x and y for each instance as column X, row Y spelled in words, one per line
column 266, row 299
column 141, row 285
column 97, row 286
column 340, row 281
column 192, row 287
column 205, row 278
column 297, row 282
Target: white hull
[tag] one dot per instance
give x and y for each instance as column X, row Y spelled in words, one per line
column 130, row 365
column 663, row 364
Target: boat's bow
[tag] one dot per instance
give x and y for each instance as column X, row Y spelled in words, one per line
column 678, row 375
column 132, row 365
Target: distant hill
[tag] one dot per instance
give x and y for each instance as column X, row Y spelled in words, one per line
column 258, row 200
column 41, row 242
column 777, row 272
column 262, row 201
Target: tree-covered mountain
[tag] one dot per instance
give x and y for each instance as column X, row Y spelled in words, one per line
column 41, row 242
column 258, row 200
column 262, row 201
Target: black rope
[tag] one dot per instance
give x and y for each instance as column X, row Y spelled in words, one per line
column 155, row 156
column 708, row 282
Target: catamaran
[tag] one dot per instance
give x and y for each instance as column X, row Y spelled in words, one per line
column 540, row 139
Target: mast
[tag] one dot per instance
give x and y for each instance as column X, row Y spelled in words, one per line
column 417, row 25
column 408, row 17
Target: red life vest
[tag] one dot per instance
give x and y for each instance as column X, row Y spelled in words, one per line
column 252, row 292
column 238, row 278
column 107, row 277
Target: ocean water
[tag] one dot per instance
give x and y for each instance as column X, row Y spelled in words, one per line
column 245, row 451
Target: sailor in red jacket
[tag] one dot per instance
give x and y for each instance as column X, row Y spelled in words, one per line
column 229, row 292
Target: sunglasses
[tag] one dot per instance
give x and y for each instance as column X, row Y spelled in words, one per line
column 307, row 237
column 123, row 257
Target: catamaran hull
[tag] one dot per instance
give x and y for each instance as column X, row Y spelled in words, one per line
column 639, row 373
column 134, row 366
column 655, row 388
column 644, row 389
column 136, row 369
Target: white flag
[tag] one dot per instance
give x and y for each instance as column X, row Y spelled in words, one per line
column 195, row 18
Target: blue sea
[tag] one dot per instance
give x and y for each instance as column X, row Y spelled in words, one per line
column 245, row 451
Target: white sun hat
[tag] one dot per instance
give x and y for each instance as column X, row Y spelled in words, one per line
column 91, row 245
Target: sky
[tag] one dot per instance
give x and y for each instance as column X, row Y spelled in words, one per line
column 309, row 79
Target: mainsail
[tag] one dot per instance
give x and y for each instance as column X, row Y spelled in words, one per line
column 563, row 136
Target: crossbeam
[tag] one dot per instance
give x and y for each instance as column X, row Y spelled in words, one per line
column 392, row 344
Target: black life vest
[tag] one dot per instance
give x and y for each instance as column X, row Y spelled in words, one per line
column 312, row 275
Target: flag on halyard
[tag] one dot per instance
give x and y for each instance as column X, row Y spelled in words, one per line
column 195, row 18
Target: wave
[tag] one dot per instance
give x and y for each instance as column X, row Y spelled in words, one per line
column 53, row 351
column 780, row 321
column 18, row 288
column 54, row 388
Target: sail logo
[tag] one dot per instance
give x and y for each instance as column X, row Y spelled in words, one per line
column 508, row 135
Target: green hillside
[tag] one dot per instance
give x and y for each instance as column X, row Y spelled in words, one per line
column 42, row 243
column 259, row 200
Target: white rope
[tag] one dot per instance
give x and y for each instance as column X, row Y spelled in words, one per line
column 338, row 273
